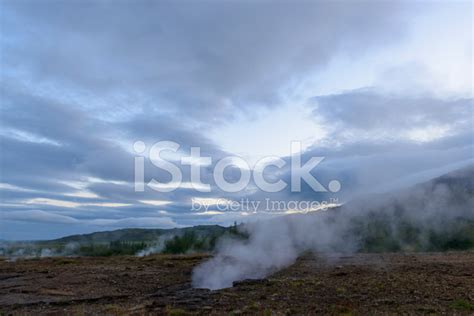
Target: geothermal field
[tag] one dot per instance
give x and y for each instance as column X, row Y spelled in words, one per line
column 422, row 283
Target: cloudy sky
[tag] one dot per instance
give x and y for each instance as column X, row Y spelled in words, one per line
column 381, row 89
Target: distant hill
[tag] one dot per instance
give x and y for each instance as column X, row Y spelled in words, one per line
column 130, row 241
column 140, row 234
column 432, row 216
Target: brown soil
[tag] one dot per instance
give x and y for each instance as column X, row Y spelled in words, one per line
column 160, row 284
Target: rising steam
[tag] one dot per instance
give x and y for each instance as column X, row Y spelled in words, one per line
column 407, row 221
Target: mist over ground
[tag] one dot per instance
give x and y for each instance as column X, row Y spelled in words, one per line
column 433, row 216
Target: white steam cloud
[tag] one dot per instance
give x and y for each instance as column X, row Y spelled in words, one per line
column 441, row 206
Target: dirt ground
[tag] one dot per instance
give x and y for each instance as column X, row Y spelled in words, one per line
column 361, row 284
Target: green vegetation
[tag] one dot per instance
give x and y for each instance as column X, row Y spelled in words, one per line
column 113, row 248
column 462, row 305
column 190, row 241
column 176, row 312
column 124, row 242
column 460, row 236
column 379, row 232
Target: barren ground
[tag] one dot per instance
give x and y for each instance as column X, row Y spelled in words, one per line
column 160, row 284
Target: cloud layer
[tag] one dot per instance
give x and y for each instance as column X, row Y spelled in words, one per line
column 82, row 81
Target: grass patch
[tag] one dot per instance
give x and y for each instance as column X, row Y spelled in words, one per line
column 175, row 311
column 64, row 261
column 342, row 310
column 462, row 305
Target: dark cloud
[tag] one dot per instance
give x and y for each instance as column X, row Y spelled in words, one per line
column 206, row 58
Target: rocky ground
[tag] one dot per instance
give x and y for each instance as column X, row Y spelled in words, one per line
column 160, row 284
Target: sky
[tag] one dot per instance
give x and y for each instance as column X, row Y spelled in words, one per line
column 382, row 90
